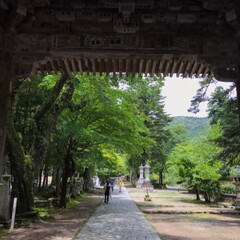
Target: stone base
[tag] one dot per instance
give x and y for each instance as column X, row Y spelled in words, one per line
column 139, row 182
column 237, row 204
column 147, row 198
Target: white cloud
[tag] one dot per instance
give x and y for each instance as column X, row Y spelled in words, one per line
column 179, row 93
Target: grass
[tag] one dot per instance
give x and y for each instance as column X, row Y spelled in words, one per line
column 76, row 200
column 194, row 201
column 3, row 233
column 47, row 212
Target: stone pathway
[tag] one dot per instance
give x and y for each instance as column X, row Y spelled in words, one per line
column 120, row 219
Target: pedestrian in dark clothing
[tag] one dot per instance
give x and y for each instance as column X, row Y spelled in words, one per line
column 107, row 192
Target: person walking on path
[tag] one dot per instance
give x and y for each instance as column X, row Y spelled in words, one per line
column 120, row 185
column 107, row 189
column 120, row 220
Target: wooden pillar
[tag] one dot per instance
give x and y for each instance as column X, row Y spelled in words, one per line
column 6, row 78
column 238, row 99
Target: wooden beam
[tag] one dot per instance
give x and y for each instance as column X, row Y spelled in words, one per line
column 193, row 70
column 48, row 67
column 93, row 66
column 62, row 66
column 205, row 72
column 120, row 66
column 174, row 65
column 73, row 66
column 134, row 67
column 160, row 67
column 79, row 62
column 107, row 66
column 54, row 66
column 127, row 66
column 181, row 65
column 100, row 66
column 114, row 64
column 140, row 70
column 153, row 67
column 166, row 71
column 67, row 66
column 199, row 71
column 238, row 99
column 187, row 69
column 147, row 69
column 42, row 70
column 86, row 65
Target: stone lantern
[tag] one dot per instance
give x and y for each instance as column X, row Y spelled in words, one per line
column 147, row 171
column 97, row 183
column 236, row 182
column 147, row 183
column 141, row 178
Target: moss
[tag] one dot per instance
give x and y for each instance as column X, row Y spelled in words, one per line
column 3, row 233
column 47, row 212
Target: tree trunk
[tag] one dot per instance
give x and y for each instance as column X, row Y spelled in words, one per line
column 58, row 181
column 43, row 123
column 67, row 161
column 21, row 170
column 160, row 177
column 40, row 179
column 197, row 195
column 206, row 197
column 87, row 180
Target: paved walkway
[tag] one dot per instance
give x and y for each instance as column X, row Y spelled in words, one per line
column 120, row 219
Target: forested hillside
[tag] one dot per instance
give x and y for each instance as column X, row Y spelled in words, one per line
column 194, row 125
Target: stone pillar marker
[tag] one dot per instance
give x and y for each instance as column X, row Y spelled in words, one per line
column 236, row 182
column 141, row 178
column 5, row 197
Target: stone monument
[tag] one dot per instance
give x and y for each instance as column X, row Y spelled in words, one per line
column 97, row 181
column 236, row 182
column 141, row 178
column 147, row 182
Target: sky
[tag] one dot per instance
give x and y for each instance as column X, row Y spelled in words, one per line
column 179, row 93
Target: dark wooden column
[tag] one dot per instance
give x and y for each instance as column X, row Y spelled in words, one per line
column 6, row 78
column 238, row 98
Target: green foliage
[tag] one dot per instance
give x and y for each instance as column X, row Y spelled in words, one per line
column 146, row 96
column 201, row 93
column 104, row 124
column 44, row 193
column 228, row 189
column 194, row 125
column 222, row 108
column 3, row 233
column 178, row 134
column 196, row 164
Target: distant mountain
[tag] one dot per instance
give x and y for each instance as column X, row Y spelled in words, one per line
column 194, row 125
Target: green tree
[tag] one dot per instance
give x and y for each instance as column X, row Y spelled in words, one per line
column 222, row 108
column 197, row 164
column 146, row 95
column 100, row 120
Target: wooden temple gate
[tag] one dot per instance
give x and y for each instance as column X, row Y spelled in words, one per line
column 187, row 38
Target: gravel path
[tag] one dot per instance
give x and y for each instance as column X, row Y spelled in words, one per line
column 120, row 219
